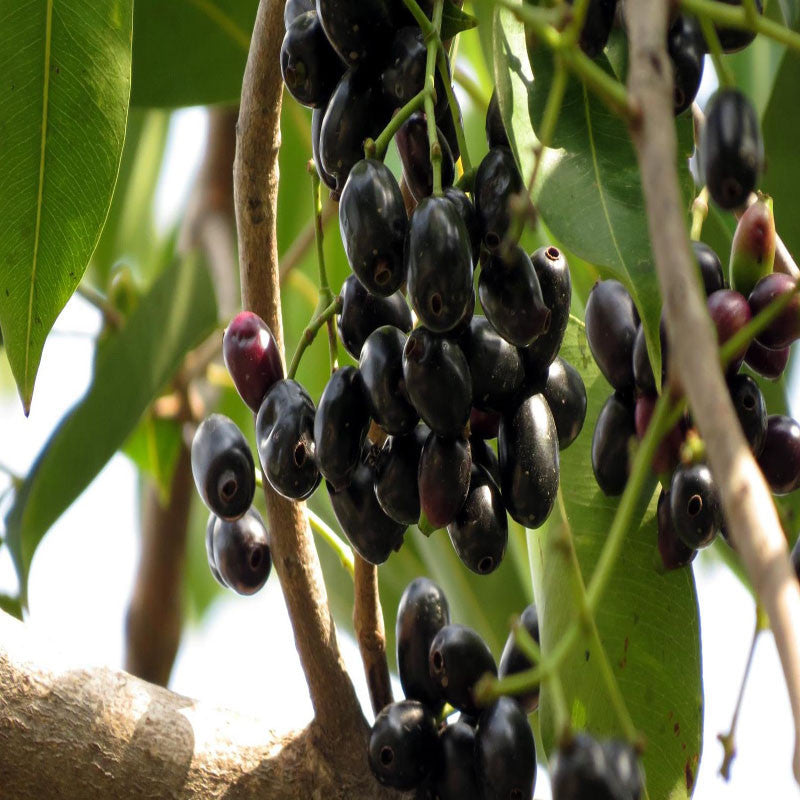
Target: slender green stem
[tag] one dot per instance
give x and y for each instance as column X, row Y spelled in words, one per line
column 424, row 23
column 433, row 45
column 310, row 332
column 724, row 72
column 573, row 30
column 543, row 21
column 455, row 110
column 526, row 643
column 563, row 722
column 110, row 314
column 335, row 542
column 578, row 321
column 378, row 147
column 610, row 90
column 699, row 214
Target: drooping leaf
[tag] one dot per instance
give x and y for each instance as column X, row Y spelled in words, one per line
column 647, row 621
column 454, row 20
column 11, row 605
column 153, row 446
column 190, row 52
column 130, row 369
column 66, row 68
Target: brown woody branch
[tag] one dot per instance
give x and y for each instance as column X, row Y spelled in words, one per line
column 747, row 502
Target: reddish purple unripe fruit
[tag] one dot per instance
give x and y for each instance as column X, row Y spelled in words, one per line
column 251, row 356
column 730, row 313
column 785, row 328
column 780, row 457
column 443, row 478
column 768, row 363
column 484, row 424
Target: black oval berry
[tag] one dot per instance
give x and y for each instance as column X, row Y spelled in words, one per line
column 780, row 457
column 443, row 478
column 643, row 377
column 294, row 8
column 396, row 470
column 710, row 267
column 695, row 505
column 317, row 116
column 597, row 26
column 455, row 778
column 733, row 39
column 415, row 156
column 484, row 424
column 223, row 467
column 687, row 49
column 484, row 456
column 357, row 29
column 751, row 408
column 241, row 552
column 729, row 312
column 404, row 73
column 672, row 549
column 496, row 135
column 212, row 563
column 439, row 264
column 469, row 217
column 611, row 445
column 566, row 395
column 285, row 439
column 421, row 614
column 765, row 362
column 513, row 660
column 496, row 182
column 785, row 328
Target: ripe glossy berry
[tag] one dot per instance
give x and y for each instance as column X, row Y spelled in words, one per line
column 437, row 381
column 512, row 298
column 513, row 660
column 396, row 469
column 484, row 424
column 751, row 408
column 673, row 551
column 611, row 445
column 495, row 366
column 241, row 552
column 310, row 67
column 695, row 505
column 505, row 753
column 415, row 156
column 294, row 8
column 556, row 285
column 785, row 328
column 687, row 48
column 439, row 264
column 733, row 39
column 527, row 445
column 455, row 777
column 317, row 116
column 753, row 247
column 484, row 456
column 404, row 73
column 668, row 451
column 403, row 745
column 447, row 126
column 469, row 216
column 731, row 148
column 566, row 395
column 729, row 312
column 479, row 532
column 780, row 457
column 710, row 267
column 597, row 26
column 496, row 135
column 357, row 29
column 285, row 439
column 458, row 658
column 252, row 358
column 443, row 478
column 223, row 468
column 421, row 614
column 212, row 563
column 373, row 225
column 643, row 377
column 767, row 363
column 496, row 182
column 371, row 532
column 611, row 323
column 341, row 425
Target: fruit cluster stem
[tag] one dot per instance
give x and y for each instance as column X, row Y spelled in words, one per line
column 322, row 317
column 721, row 67
column 378, row 147
column 433, row 44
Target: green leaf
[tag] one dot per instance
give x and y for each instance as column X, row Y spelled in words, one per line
column 647, row 621
column 588, row 190
column 153, row 447
column 190, row 52
column 11, row 605
column 130, row 369
column 454, row 20
column 63, row 105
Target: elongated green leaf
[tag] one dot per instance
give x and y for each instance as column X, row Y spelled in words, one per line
column 648, row 621
column 588, row 189
column 190, row 52
column 11, row 605
column 130, row 369
column 63, row 104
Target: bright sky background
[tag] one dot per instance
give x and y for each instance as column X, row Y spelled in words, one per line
column 243, row 655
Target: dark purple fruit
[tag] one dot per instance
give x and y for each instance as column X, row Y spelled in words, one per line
column 674, row 552
column 373, row 225
column 223, row 468
column 310, row 67
column 484, row 456
column 458, row 658
column 695, row 505
column 710, row 268
column 421, row 614
column 624, row 763
column 668, row 451
column 496, row 135
column 403, row 745
column 241, row 552
column 437, row 381
column 396, row 471
column 252, row 357
column 505, row 753
column 751, row 408
column 527, row 445
column 381, row 367
column 733, row 39
column 513, row 660
column 455, row 777
column 443, row 478
column 355, row 113
column 611, row 323
column 317, row 116
column 643, row 377
column 439, row 264
column 447, row 127
column 484, row 424
column 359, row 30
column 597, row 26
column 479, row 532
column 496, row 182
column 511, row 297
column 767, row 363
column 285, row 440
column 469, row 217
column 371, row 532
column 611, row 445
column 687, row 49
column 341, row 425
column 729, row 312
column 731, row 148
column 566, row 395
column 785, row 328
column 294, row 8
column 780, row 457
column 212, row 563
column 404, row 73
column 415, row 156
column 495, row 366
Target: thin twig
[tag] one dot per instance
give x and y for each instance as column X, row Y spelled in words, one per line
column 111, row 316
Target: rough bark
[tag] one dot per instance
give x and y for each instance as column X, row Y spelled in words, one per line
column 753, row 521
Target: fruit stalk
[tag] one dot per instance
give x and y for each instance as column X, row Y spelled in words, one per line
column 433, row 44
column 721, row 66
column 321, row 318
column 378, row 147
column 455, row 110
column 747, row 502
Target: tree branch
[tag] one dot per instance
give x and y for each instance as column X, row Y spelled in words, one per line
column 747, row 502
